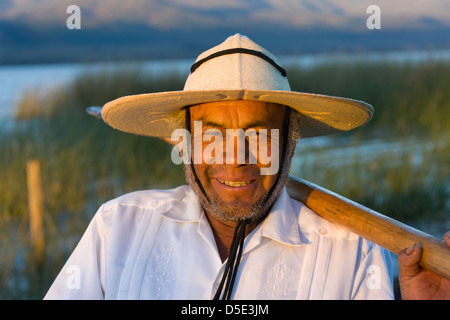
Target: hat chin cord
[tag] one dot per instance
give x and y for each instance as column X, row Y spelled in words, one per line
column 237, row 243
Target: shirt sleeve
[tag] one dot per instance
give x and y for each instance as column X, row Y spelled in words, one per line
column 373, row 278
column 82, row 277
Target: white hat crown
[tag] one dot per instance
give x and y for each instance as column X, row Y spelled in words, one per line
column 235, row 64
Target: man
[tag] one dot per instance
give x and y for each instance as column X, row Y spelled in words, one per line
column 233, row 233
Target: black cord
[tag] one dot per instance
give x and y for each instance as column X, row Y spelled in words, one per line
column 196, row 179
column 239, row 50
column 241, row 236
column 233, row 262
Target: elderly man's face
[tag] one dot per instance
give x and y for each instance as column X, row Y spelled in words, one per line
column 238, row 190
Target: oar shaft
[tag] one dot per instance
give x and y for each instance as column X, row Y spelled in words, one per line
column 371, row 225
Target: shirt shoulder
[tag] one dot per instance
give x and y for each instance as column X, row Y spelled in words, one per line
column 147, row 199
column 128, row 210
column 310, row 221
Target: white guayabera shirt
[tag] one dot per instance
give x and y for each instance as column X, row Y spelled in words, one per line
column 158, row 244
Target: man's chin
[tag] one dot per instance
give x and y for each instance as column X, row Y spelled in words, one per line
column 233, row 211
column 236, row 209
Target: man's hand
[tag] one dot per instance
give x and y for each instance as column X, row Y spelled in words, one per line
column 417, row 283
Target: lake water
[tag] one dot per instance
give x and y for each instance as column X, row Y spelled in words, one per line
column 15, row 80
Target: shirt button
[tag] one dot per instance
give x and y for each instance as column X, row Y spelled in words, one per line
column 154, row 204
column 323, row 231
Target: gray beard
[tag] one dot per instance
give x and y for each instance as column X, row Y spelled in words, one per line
column 258, row 211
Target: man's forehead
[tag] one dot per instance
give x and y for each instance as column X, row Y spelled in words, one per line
column 257, row 112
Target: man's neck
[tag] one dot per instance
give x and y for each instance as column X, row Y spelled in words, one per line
column 223, row 234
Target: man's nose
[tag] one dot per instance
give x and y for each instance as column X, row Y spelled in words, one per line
column 236, row 148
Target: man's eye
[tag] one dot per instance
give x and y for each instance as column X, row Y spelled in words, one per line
column 252, row 133
column 212, row 132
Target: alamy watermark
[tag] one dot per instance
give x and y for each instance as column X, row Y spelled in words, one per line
column 73, row 281
column 374, row 20
column 74, row 20
column 374, row 277
column 216, row 152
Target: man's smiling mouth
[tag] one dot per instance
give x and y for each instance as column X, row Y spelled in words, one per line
column 235, row 183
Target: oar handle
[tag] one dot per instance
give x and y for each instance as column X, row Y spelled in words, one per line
column 371, row 225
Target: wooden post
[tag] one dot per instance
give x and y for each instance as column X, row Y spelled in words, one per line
column 36, row 208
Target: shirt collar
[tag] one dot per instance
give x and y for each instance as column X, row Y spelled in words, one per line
column 185, row 208
column 281, row 224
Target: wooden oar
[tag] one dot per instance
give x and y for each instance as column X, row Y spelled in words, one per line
column 371, row 225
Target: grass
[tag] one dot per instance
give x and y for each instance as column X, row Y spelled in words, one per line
column 85, row 162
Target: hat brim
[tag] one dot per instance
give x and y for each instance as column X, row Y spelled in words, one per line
column 158, row 114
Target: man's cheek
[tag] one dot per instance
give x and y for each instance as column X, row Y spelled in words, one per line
column 269, row 153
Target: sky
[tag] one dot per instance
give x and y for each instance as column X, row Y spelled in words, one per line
column 34, row 31
column 174, row 14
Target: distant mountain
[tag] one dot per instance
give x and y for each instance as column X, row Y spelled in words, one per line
column 34, row 31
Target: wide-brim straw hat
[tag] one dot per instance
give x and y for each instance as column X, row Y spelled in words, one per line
column 237, row 69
